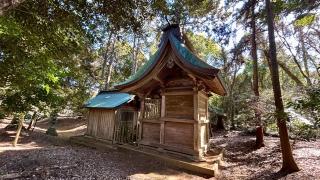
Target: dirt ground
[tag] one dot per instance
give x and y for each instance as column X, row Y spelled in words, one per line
column 242, row 161
column 39, row 156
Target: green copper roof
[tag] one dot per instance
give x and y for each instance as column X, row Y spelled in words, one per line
column 109, row 100
column 182, row 50
column 187, row 54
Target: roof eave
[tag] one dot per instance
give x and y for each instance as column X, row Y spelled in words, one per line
column 162, row 48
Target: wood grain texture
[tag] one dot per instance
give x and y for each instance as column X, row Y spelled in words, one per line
column 101, row 123
column 151, row 132
column 179, row 106
column 178, row 134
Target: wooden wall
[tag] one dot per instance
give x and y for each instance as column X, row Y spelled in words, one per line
column 178, row 134
column 151, row 132
column 202, row 107
column 183, row 125
column 179, row 106
column 101, row 123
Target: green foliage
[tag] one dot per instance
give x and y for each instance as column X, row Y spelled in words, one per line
column 309, row 104
column 272, row 127
column 2, row 115
column 205, row 48
column 38, row 48
column 304, row 131
column 305, row 20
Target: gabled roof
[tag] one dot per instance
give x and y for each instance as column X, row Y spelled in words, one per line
column 189, row 60
column 109, row 100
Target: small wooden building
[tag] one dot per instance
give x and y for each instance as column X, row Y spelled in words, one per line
column 173, row 88
column 112, row 117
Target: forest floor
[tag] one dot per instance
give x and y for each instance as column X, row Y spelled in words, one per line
column 242, row 161
column 39, row 156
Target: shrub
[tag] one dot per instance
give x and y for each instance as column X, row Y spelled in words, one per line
column 303, row 130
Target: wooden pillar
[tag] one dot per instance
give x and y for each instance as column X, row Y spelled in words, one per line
column 163, row 106
column 207, row 120
column 141, row 118
column 196, row 118
column 163, row 114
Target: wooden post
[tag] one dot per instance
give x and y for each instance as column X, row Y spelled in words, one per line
column 196, row 118
column 163, row 106
column 21, row 116
column 141, row 118
column 207, row 120
column 163, row 114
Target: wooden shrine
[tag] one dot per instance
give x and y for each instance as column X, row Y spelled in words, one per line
column 112, row 117
column 173, row 88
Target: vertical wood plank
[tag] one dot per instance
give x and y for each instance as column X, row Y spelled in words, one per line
column 196, row 125
column 142, row 115
column 163, row 106
column 162, row 133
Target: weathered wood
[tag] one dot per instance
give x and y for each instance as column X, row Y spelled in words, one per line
column 152, row 108
column 189, row 121
column 196, row 118
column 179, row 134
column 178, row 91
column 151, row 132
column 125, row 126
column 202, row 108
column 162, row 131
column 179, row 106
column 101, row 123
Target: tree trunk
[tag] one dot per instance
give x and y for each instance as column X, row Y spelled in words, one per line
column 259, row 128
column 290, row 74
column 288, row 163
column 33, row 119
column 134, row 56
column 105, row 56
column 295, row 59
column 109, row 72
column 285, row 69
column 15, row 141
column 304, row 56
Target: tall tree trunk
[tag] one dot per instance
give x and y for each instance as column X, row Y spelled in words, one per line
column 134, row 56
column 32, row 120
column 106, row 56
column 110, row 67
column 15, row 141
column 259, row 128
column 288, row 162
column 304, row 56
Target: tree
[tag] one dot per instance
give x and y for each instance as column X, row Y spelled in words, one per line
column 255, row 84
column 288, row 163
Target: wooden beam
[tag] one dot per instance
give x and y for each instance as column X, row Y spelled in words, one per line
column 196, row 118
column 159, row 80
column 185, row 92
